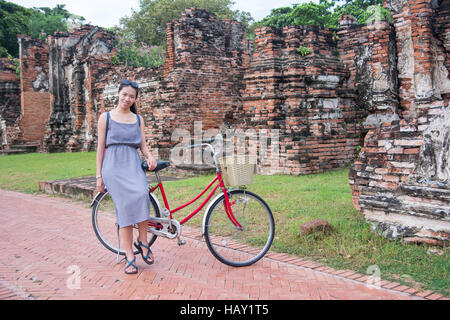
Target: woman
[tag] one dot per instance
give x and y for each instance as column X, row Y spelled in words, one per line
column 120, row 133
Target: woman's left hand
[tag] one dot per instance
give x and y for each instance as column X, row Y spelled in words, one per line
column 151, row 164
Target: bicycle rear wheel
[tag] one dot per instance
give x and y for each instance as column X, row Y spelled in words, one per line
column 234, row 245
column 106, row 227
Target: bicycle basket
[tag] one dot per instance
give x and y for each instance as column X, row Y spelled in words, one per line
column 238, row 170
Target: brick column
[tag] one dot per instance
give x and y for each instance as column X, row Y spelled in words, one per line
column 400, row 181
column 34, row 84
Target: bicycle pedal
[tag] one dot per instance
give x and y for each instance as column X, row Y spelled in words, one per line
column 181, row 242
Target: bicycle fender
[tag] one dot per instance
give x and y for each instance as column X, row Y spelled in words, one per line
column 209, row 207
column 206, row 212
column 97, row 198
column 157, row 202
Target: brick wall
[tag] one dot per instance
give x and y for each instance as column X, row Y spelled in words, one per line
column 400, row 181
column 319, row 101
column 201, row 80
column 34, row 85
column 387, row 80
column 9, row 103
column 77, row 61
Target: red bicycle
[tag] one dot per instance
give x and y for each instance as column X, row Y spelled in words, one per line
column 238, row 225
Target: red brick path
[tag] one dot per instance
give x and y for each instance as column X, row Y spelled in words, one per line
column 45, row 240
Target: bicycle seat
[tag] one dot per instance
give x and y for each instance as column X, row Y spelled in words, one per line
column 160, row 165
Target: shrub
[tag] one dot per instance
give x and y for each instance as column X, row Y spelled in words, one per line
column 304, row 51
column 135, row 54
column 15, row 65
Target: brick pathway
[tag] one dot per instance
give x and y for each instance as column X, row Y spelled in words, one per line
column 47, row 241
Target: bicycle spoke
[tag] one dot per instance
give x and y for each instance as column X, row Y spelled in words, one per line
column 105, row 226
column 244, row 245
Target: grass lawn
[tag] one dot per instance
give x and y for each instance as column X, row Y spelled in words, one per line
column 23, row 172
column 293, row 200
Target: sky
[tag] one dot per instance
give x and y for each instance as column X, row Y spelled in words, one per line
column 106, row 13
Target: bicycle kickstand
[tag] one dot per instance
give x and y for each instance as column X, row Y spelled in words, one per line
column 180, row 241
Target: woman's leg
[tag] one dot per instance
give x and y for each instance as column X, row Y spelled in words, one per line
column 142, row 227
column 126, row 238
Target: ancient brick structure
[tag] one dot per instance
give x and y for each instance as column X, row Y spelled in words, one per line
column 324, row 92
column 213, row 75
column 401, row 180
column 9, row 103
column 201, row 80
column 34, row 85
column 306, row 98
column 76, row 62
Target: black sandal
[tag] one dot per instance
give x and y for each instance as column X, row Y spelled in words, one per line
column 146, row 258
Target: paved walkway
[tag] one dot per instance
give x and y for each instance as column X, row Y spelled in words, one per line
column 49, row 251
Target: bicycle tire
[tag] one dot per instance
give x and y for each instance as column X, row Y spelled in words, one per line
column 107, row 234
column 258, row 224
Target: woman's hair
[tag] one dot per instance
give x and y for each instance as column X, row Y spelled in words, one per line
column 128, row 83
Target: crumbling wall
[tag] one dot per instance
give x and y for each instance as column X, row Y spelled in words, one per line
column 318, row 101
column 9, row 103
column 400, row 182
column 77, row 60
column 200, row 81
column 34, row 86
column 385, row 83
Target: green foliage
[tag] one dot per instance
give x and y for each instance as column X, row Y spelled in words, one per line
column 313, row 14
column 279, row 17
column 15, row 65
column 14, row 20
column 35, row 22
column 131, row 53
column 46, row 21
column 304, row 51
column 326, row 13
column 366, row 11
column 148, row 25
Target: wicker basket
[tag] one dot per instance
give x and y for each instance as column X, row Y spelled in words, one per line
column 238, row 170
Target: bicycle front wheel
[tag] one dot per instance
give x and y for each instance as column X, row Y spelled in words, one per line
column 106, row 227
column 243, row 237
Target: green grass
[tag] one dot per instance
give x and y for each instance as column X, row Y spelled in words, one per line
column 293, row 200
column 23, row 172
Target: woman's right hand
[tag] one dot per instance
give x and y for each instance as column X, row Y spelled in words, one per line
column 100, row 185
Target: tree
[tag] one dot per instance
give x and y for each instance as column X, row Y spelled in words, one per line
column 325, row 13
column 46, row 21
column 148, row 25
column 35, row 22
column 314, row 14
column 14, row 20
column 279, row 17
column 363, row 10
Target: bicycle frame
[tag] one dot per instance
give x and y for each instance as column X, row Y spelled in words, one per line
column 218, row 179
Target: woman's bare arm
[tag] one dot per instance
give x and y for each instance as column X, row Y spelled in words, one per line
column 144, row 149
column 101, row 144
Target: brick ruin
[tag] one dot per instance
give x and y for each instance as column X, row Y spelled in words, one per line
column 383, row 87
column 401, row 179
column 9, row 102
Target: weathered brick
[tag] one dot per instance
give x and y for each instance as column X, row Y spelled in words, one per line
column 420, row 29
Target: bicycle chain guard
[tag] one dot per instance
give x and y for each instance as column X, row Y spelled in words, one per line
column 170, row 228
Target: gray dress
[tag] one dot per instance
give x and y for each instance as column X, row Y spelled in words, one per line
column 122, row 173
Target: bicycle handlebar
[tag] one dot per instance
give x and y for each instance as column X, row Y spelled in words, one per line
column 205, row 142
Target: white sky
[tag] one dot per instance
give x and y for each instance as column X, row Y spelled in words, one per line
column 106, row 13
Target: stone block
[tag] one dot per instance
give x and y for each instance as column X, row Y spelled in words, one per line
column 315, row 226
